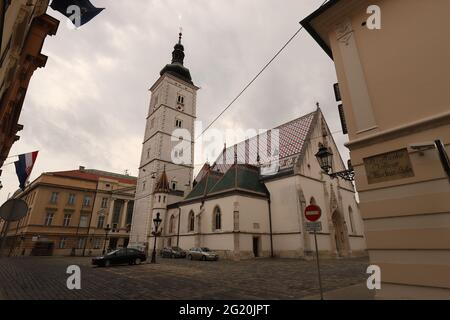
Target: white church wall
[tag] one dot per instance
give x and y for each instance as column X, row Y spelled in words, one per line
column 253, row 214
column 139, row 229
column 226, row 205
column 253, row 223
column 286, row 225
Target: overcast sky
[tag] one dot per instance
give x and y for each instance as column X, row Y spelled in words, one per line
column 88, row 105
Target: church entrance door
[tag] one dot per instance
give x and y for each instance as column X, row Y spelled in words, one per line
column 339, row 233
column 256, row 246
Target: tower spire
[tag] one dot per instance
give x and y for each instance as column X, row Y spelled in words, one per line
column 177, row 68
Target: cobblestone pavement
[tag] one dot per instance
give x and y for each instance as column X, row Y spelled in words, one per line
column 45, row 278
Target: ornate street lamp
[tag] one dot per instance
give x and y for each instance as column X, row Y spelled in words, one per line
column 325, row 159
column 157, row 221
column 107, row 230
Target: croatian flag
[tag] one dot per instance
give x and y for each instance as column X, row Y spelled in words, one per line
column 24, row 166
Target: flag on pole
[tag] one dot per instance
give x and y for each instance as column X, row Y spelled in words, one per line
column 78, row 11
column 24, row 166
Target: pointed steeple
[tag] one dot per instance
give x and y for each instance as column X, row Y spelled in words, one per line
column 162, row 186
column 178, row 52
column 176, row 68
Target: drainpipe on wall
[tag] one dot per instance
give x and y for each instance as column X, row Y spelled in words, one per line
column 178, row 232
column 270, row 226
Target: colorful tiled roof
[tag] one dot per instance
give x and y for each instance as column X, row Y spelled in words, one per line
column 291, row 135
column 202, row 188
column 95, row 175
column 241, row 177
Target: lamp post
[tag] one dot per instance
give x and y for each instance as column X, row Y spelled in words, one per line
column 157, row 221
column 325, row 159
column 107, row 230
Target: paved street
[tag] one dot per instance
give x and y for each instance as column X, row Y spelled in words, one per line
column 45, row 278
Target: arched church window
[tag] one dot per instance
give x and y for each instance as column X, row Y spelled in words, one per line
column 191, row 221
column 172, row 224
column 217, row 219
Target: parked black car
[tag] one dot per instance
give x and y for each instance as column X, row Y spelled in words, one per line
column 121, row 256
column 173, row 252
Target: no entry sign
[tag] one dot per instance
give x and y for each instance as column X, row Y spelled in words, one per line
column 313, row 212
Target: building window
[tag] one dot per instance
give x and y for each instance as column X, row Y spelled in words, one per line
column 174, row 185
column 81, row 243
column 97, row 243
column 118, row 204
column 86, row 201
column 54, row 197
column 164, row 199
column 172, row 224
column 101, row 221
column 159, row 198
column 191, row 221
column 129, row 217
column 71, row 200
column 143, row 185
column 84, row 221
column 350, row 218
column 67, row 218
column 104, row 203
column 178, row 123
column 180, row 99
column 217, row 219
column 62, row 242
column 148, row 153
column 49, row 218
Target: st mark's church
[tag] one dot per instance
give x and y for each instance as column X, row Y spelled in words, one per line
column 232, row 206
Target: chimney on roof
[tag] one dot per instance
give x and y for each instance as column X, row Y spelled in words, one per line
column 82, row 168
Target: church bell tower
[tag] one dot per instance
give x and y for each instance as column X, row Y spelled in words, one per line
column 168, row 143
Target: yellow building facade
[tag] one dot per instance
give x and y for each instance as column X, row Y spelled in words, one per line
column 393, row 71
column 78, row 212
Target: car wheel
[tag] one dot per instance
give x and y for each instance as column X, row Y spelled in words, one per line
column 107, row 263
column 190, row 257
column 137, row 261
column 203, row 258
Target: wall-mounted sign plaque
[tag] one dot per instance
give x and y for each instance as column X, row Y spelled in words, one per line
column 388, row 166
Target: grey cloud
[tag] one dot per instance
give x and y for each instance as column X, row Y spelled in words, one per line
column 88, row 106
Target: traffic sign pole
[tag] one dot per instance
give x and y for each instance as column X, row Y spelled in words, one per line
column 313, row 214
column 318, row 266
